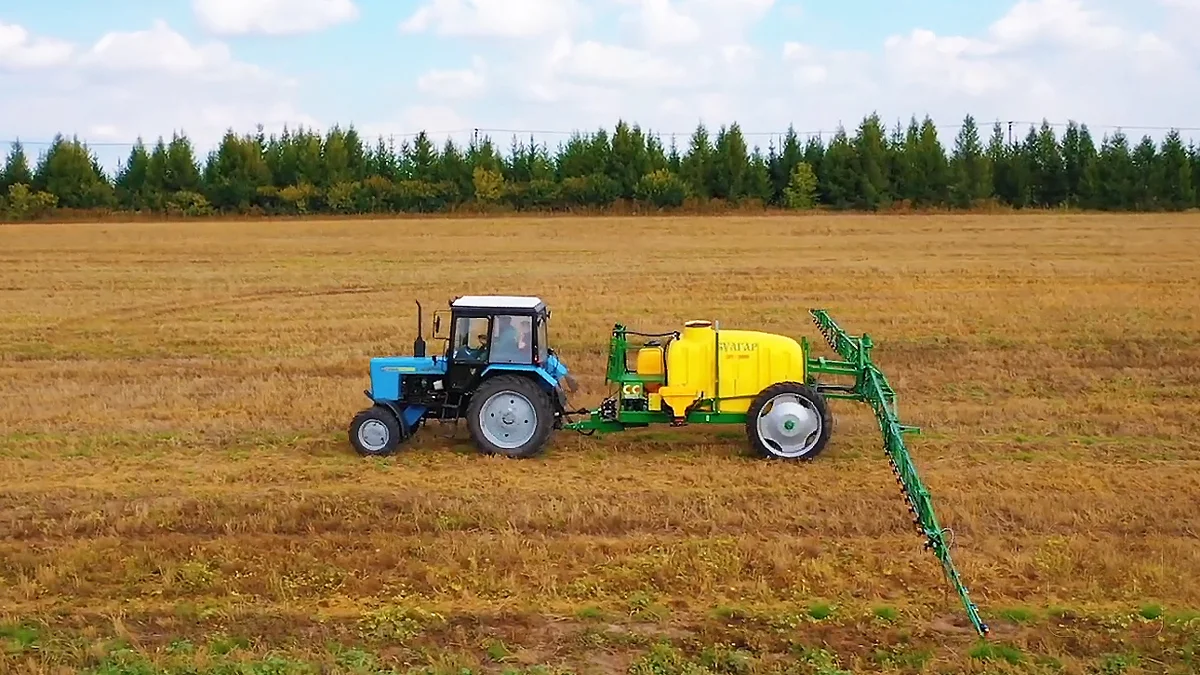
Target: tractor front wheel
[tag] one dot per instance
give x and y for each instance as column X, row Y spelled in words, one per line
column 375, row 432
column 788, row 420
column 510, row 415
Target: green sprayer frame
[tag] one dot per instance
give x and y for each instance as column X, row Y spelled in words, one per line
column 625, row 409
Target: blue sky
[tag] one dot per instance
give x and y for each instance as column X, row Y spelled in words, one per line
column 112, row 71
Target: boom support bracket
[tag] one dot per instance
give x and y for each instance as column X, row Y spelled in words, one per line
column 872, row 388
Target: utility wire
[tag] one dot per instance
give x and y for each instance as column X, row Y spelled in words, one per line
column 819, row 133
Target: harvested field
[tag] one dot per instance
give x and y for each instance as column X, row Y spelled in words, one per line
column 177, row 489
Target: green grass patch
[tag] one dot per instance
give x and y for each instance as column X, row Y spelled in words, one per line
column 888, row 614
column 1151, row 612
column 1116, row 664
column 988, row 651
column 590, row 613
column 820, row 610
column 1021, row 615
column 19, row 638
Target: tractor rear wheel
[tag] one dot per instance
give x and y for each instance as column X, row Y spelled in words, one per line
column 375, row 432
column 788, row 420
column 510, row 415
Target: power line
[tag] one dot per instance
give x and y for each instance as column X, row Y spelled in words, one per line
column 819, row 133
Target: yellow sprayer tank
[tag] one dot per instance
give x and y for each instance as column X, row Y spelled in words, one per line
column 750, row 361
column 650, row 361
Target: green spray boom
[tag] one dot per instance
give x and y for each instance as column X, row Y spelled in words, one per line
column 872, row 388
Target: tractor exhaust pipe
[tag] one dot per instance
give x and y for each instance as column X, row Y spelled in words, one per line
column 419, row 343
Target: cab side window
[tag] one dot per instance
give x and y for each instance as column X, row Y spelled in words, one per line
column 512, row 339
column 471, row 339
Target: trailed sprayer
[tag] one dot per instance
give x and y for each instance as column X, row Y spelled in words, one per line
column 499, row 374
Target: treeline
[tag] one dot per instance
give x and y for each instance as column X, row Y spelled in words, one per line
column 304, row 172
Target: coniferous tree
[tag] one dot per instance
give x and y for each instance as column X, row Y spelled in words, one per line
column 674, row 158
column 628, row 161
column 931, row 165
column 16, row 169
column 336, row 171
column 790, row 154
column 801, row 191
column 72, row 173
column 1003, row 174
column 840, row 179
column 757, row 184
column 1147, row 172
column 697, row 164
column 814, row 155
column 970, row 171
column 1195, row 158
column 1047, row 175
column 656, row 154
column 234, row 173
column 730, row 164
column 903, row 151
column 131, row 184
column 182, row 171
column 870, row 145
column 1114, row 181
column 335, row 158
column 1175, row 189
column 1088, row 188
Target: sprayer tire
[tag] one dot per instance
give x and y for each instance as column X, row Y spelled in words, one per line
column 811, row 397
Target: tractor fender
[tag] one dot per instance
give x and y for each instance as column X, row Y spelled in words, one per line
column 558, row 397
column 541, row 375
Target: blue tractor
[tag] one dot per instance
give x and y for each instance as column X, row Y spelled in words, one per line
column 497, row 372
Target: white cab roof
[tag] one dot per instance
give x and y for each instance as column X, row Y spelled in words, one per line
column 498, row 301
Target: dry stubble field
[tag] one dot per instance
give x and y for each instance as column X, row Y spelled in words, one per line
column 176, row 486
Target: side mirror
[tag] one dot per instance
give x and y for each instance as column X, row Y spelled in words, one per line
column 438, row 325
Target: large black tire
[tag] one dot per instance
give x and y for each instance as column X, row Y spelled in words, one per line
column 375, row 432
column 808, row 397
column 510, row 407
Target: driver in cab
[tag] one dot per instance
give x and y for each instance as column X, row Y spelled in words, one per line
column 511, row 340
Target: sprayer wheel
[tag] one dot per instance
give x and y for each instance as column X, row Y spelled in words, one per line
column 788, row 420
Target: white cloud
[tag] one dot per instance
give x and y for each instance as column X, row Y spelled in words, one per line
column 690, row 22
column 143, row 83
column 438, row 121
column 1066, row 23
column 592, row 62
column 272, row 17
column 467, row 83
column 495, row 18
column 680, row 62
column 160, row 49
column 1056, row 59
column 19, row 50
column 673, row 63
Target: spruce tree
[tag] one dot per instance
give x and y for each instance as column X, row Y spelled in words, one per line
column 16, row 169
column 1176, row 191
column 970, row 170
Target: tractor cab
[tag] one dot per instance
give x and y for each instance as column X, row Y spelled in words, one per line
column 490, row 332
column 496, row 330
